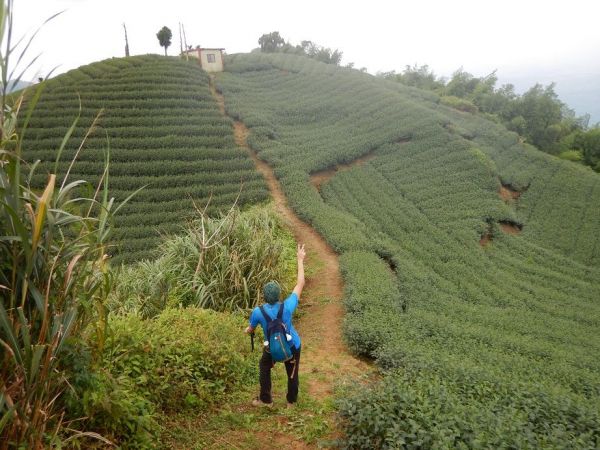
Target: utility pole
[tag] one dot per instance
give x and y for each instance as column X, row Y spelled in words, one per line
column 126, row 41
column 185, row 43
column 180, row 41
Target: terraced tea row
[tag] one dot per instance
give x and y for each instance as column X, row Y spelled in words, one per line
column 489, row 346
column 164, row 131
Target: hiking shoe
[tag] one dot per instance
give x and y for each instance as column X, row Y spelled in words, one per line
column 290, row 405
column 259, row 402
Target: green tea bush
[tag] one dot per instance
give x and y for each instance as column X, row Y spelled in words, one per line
column 485, row 346
column 417, row 408
column 164, row 130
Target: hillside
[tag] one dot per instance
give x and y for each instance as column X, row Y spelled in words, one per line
column 471, row 261
column 164, row 131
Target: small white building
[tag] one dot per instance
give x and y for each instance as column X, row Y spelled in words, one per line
column 211, row 59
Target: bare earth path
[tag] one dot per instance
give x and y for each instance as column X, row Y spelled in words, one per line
column 325, row 359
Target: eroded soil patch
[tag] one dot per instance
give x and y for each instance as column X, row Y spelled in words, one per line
column 510, row 227
column 506, row 226
column 508, row 193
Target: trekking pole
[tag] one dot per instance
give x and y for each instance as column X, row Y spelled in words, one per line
column 252, row 341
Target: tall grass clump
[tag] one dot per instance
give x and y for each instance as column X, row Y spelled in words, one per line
column 218, row 263
column 53, row 274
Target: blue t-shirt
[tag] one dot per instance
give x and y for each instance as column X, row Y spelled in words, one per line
column 289, row 306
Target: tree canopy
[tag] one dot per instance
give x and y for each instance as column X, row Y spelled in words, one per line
column 273, row 42
column 537, row 115
column 164, row 37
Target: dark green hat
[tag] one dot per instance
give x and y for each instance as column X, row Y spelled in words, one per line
column 271, row 292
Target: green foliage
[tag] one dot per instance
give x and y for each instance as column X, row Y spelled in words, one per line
column 218, row 263
column 164, row 36
column 270, row 42
column 458, row 103
column 538, row 115
column 112, row 404
column 165, row 133
column 571, row 155
column 53, row 275
column 184, row 360
column 589, row 143
column 183, row 357
column 273, row 42
column 419, row 408
column 516, row 320
column 417, row 76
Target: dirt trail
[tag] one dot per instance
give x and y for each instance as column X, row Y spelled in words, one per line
column 320, row 326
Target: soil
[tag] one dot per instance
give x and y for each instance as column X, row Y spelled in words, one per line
column 320, row 325
column 508, row 193
column 485, row 239
column 506, row 226
column 510, row 228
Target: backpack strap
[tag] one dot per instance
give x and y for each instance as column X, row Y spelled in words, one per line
column 280, row 312
column 266, row 316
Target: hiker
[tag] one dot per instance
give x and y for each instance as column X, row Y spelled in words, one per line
column 277, row 336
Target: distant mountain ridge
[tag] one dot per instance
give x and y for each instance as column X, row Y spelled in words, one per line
column 17, row 86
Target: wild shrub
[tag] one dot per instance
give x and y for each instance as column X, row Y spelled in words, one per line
column 184, row 359
column 458, row 103
column 218, row 263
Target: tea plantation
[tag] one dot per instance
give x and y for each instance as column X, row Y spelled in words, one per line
column 486, row 345
column 483, row 310
column 164, row 131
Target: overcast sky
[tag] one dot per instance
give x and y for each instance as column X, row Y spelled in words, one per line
column 514, row 36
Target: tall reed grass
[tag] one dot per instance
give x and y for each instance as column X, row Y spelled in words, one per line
column 218, row 263
column 54, row 277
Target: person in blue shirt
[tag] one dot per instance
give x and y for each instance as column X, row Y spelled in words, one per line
column 271, row 293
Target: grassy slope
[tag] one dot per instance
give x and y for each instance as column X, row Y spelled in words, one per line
column 520, row 315
column 165, row 132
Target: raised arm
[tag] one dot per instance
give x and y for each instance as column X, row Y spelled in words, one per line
column 301, row 253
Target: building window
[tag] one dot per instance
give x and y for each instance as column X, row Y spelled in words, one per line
column 210, row 58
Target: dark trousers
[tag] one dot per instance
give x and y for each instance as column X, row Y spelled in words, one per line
column 291, row 367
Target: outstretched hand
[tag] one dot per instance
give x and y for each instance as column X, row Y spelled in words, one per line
column 301, row 253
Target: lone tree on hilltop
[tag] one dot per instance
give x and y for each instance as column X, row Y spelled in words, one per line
column 164, row 38
column 271, row 42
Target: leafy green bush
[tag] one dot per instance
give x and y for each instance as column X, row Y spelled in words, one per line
column 418, row 408
column 220, row 264
column 185, row 358
column 458, row 103
column 182, row 358
column 571, row 155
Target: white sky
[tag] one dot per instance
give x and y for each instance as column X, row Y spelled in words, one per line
column 513, row 36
